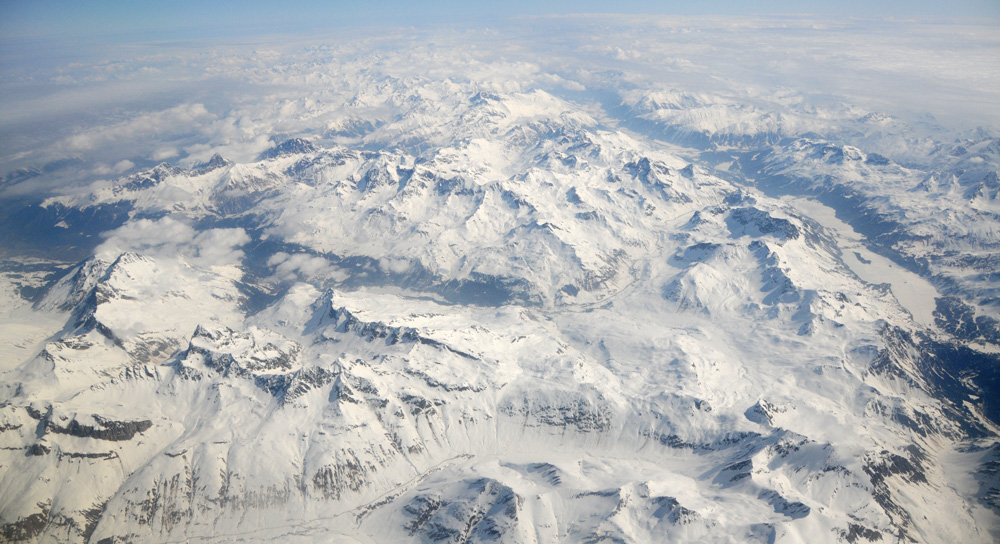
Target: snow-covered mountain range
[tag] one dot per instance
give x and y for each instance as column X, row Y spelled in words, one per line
column 457, row 310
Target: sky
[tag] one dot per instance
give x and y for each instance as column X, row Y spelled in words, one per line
column 128, row 20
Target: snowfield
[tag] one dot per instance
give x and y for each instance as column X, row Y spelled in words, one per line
column 438, row 294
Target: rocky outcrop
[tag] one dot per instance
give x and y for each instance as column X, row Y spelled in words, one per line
column 293, row 146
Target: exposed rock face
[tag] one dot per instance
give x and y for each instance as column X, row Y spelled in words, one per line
column 103, row 430
column 242, row 354
column 294, row 146
column 756, row 222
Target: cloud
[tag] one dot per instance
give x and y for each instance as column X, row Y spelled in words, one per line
column 396, row 266
column 218, row 246
column 184, row 117
column 184, row 101
column 302, row 266
column 168, row 238
column 164, row 153
column 123, row 165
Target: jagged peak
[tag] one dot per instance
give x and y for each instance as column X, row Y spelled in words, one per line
column 214, row 163
column 146, row 179
column 756, row 222
column 70, row 290
column 292, row 146
column 128, row 258
column 878, row 118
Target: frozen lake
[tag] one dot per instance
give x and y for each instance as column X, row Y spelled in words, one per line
column 913, row 292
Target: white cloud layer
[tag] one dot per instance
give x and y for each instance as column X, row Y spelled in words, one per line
column 302, row 266
column 169, row 238
column 185, row 117
column 183, row 102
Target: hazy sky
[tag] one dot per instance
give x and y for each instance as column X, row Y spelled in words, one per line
column 183, row 18
column 133, row 83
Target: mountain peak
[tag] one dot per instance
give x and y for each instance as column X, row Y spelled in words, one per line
column 293, row 146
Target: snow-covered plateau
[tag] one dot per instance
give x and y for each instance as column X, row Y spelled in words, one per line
column 398, row 290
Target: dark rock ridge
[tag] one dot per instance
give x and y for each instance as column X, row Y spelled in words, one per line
column 145, row 180
column 102, row 429
column 288, row 387
column 342, row 320
column 294, row 146
column 755, row 222
column 242, row 354
column 491, row 512
column 217, row 161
